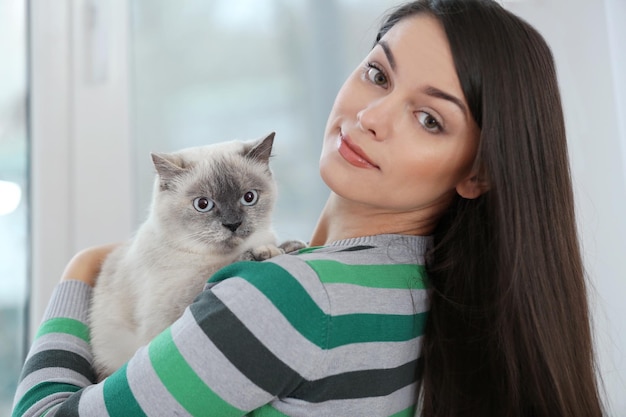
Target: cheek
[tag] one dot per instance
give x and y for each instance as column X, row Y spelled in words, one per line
column 432, row 171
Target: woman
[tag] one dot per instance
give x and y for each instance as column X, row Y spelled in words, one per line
column 445, row 151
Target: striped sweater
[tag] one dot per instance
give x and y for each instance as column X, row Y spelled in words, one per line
column 330, row 331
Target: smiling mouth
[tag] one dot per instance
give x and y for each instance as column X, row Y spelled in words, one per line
column 353, row 154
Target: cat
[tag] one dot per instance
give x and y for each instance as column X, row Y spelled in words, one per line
column 211, row 206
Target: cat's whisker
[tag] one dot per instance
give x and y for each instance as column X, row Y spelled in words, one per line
column 201, row 236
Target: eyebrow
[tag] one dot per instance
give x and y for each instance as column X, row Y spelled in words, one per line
column 437, row 93
column 430, row 91
column 388, row 54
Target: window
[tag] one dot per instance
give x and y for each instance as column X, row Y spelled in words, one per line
column 14, row 242
column 210, row 71
column 115, row 80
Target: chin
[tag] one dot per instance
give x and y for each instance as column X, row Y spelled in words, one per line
column 337, row 179
column 232, row 243
column 328, row 171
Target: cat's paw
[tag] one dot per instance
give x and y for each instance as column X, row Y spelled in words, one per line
column 261, row 253
column 292, row 245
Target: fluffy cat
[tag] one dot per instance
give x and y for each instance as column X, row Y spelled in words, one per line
column 211, row 206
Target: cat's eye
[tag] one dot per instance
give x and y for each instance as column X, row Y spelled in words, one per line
column 203, row 204
column 250, row 198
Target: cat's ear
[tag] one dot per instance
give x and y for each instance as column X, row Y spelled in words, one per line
column 168, row 166
column 262, row 150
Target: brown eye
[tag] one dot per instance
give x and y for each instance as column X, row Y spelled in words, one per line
column 203, row 204
column 379, row 78
column 375, row 75
column 250, row 198
column 429, row 122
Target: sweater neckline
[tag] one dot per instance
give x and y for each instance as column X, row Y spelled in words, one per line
column 421, row 243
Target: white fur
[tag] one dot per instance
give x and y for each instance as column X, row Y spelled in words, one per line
column 146, row 284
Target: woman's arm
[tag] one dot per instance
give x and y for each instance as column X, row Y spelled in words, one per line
column 207, row 363
column 59, row 362
column 85, row 265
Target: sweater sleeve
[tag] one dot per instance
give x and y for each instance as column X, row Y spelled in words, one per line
column 231, row 352
column 59, row 361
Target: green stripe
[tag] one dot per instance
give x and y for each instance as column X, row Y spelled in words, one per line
column 64, row 325
column 287, row 295
column 309, row 249
column 398, row 276
column 363, row 328
column 292, row 300
column 118, row 397
column 40, row 391
column 409, row 412
column 183, row 383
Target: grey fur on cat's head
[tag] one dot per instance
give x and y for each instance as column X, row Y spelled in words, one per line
column 214, row 198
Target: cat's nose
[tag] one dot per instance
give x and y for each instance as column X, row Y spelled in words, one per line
column 232, row 226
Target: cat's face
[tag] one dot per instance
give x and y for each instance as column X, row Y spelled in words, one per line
column 215, row 197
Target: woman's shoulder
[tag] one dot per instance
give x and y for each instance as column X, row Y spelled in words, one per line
column 299, row 295
column 317, row 281
column 370, row 257
column 369, row 260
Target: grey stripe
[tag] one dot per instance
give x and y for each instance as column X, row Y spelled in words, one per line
column 370, row 407
column 306, row 277
column 213, row 368
column 241, row 347
column 46, row 374
column 275, row 332
column 349, row 358
column 69, row 299
column 366, row 300
column 268, row 325
column 360, row 384
column 46, row 404
column 69, row 408
column 357, row 248
column 148, row 389
column 394, row 248
column 59, row 358
column 92, row 401
column 61, row 341
column 253, row 359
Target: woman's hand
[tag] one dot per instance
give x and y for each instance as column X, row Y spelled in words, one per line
column 85, row 265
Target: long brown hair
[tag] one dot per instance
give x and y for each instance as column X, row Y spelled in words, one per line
column 509, row 329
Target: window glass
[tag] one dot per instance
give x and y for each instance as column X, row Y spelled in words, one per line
column 209, row 71
column 13, row 197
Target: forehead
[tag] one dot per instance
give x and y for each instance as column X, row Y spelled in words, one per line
column 422, row 53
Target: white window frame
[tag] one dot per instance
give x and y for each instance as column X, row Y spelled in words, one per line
column 80, row 135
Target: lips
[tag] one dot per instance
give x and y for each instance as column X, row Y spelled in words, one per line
column 353, row 154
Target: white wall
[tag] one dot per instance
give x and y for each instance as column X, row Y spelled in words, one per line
column 611, row 276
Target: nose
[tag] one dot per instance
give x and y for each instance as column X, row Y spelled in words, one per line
column 376, row 117
column 232, row 226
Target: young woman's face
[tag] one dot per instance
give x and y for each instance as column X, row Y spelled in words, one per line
column 400, row 137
